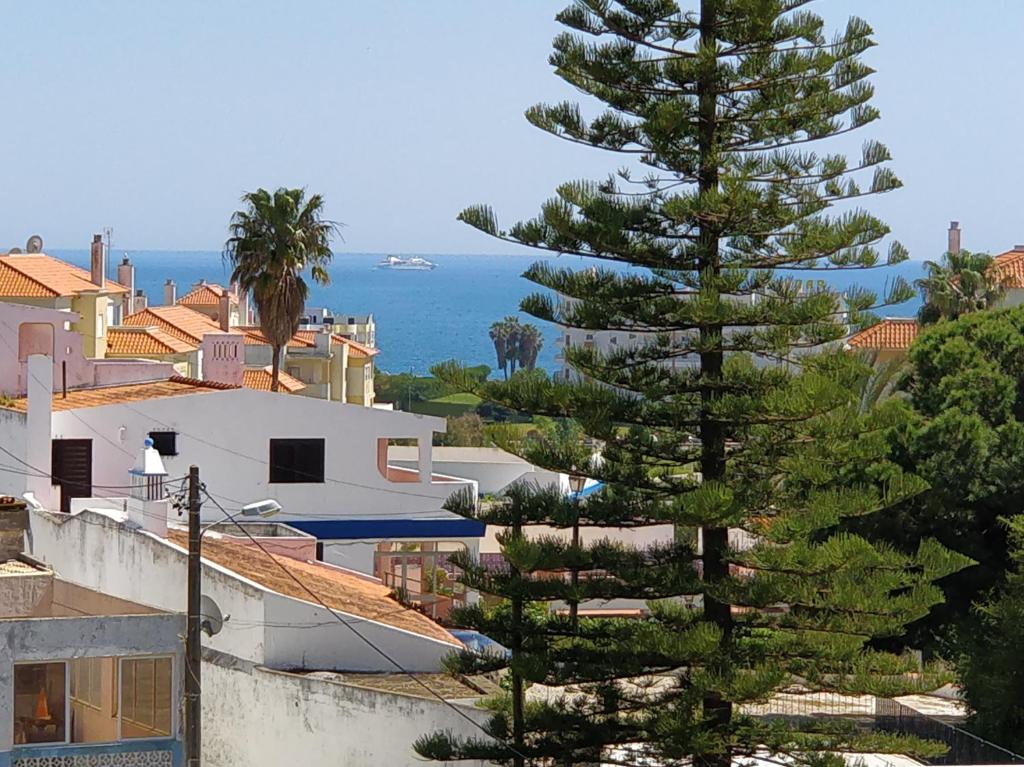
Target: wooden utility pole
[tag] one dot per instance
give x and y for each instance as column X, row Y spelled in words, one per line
column 193, row 641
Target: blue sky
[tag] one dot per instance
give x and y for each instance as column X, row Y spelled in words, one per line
column 154, row 117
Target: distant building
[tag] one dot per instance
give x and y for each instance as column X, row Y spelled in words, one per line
column 359, row 328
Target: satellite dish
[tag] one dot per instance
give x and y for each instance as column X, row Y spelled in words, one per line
column 34, row 244
column 14, row 252
column 210, row 619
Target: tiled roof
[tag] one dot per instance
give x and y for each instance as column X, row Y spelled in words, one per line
column 338, row 589
column 182, row 323
column 144, row 340
column 893, row 334
column 1010, row 267
column 356, row 349
column 260, row 378
column 41, row 276
column 204, row 294
column 254, row 337
column 115, row 395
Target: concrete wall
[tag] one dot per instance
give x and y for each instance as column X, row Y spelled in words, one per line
column 257, row 716
column 40, row 639
column 264, row 627
column 492, row 468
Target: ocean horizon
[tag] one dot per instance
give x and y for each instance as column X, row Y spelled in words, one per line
column 426, row 317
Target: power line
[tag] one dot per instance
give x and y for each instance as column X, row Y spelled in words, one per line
column 369, row 643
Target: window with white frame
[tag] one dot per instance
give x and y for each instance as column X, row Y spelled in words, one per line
column 93, row 700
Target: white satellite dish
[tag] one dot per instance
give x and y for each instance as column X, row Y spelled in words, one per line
column 34, row 244
column 210, row 619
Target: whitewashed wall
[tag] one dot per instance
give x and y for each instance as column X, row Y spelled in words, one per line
column 98, row 552
column 257, row 716
column 493, row 469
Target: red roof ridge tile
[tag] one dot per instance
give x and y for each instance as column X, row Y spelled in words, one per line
column 200, row 383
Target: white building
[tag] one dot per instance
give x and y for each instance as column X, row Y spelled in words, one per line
column 325, row 463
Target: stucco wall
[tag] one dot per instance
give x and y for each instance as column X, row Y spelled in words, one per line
column 492, row 468
column 257, row 716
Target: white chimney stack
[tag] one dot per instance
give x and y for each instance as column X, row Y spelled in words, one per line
column 954, row 238
column 223, row 357
column 149, row 506
column 170, row 293
column 126, row 276
column 98, row 261
column 224, row 311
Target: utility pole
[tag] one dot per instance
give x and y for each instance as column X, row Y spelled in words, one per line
column 193, row 641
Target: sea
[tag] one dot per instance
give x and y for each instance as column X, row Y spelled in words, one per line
column 425, row 317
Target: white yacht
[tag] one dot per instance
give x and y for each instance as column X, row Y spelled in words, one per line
column 415, row 263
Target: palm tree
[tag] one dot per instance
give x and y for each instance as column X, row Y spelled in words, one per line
column 530, row 344
column 499, row 336
column 513, row 338
column 960, row 283
column 273, row 240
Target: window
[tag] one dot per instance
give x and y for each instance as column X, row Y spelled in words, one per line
column 146, row 701
column 87, row 681
column 296, row 460
column 40, row 702
column 165, row 442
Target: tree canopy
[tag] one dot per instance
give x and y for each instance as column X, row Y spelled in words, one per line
column 724, row 421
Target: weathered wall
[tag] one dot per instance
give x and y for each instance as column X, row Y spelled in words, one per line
column 37, row 639
column 256, row 716
column 265, row 627
column 299, row 635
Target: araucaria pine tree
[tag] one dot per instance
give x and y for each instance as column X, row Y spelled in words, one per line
column 732, row 414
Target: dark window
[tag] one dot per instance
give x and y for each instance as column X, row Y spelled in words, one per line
column 71, row 465
column 319, row 551
column 296, row 460
column 165, row 442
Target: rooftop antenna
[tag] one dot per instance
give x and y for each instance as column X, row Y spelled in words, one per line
column 108, row 238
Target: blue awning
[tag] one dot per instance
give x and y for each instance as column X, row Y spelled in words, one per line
column 353, row 529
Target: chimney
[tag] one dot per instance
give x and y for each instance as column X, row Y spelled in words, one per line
column 140, row 300
column 954, row 238
column 149, row 506
column 224, row 311
column 223, row 357
column 126, row 276
column 98, row 261
column 13, row 524
column 170, row 293
column 243, row 308
column 39, row 428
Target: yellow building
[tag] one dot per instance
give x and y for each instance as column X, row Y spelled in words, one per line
column 36, row 279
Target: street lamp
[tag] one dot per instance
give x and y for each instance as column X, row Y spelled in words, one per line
column 193, row 636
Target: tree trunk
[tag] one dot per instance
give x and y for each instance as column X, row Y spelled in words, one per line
column 717, row 710
column 275, row 368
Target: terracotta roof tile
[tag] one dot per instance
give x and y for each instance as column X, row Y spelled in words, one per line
column 338, row 590
column 40, row 276
column 254, row 337
column 180, row 322
column 114, row 395
column 144, row 340
column 260, row 378
column 205, row 294
column 1010, row 267
column 893, row 334
column 356, row 349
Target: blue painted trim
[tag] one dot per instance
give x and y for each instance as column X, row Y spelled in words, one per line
column 353, row 529
column 87, row 749
column 588, row 490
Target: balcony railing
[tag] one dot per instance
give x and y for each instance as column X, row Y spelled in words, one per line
column 158, row 752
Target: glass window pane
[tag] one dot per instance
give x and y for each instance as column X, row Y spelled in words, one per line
column 39, row 702
column 146, row 700
column 93, row 707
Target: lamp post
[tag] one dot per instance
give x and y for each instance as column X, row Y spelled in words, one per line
column 576, row 483
column 193, row 636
